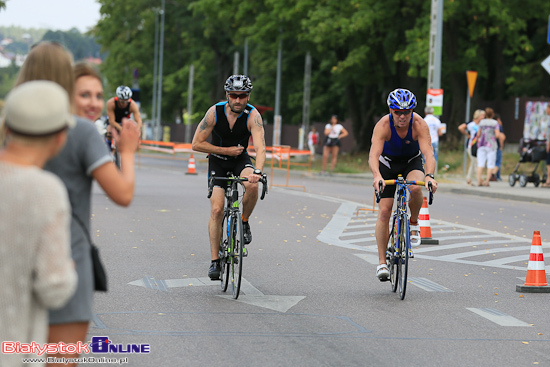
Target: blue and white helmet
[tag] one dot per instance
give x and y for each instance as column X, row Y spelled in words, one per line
column 124, row 92
column 401, row 99
column 238, row 83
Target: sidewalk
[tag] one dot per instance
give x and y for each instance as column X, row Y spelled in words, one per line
column 456, row 185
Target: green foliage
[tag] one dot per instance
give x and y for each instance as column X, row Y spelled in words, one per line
column 361, row 50
column 19, row 34
column 81, row 46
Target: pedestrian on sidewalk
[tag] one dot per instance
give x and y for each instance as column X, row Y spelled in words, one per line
column 495, row 176
column 487, row 136
column 470, row 130
column 436, row 130
column 547, row 183
column 312, row 141
column 334, row 131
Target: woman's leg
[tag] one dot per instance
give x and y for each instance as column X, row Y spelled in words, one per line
column 70, row 333
column 326, row 151
column 335, row 149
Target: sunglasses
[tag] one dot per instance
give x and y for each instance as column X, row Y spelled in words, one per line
column 402, row 112
column 237, row 96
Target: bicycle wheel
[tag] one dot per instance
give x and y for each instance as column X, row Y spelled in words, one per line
column 236, row 254
column 403, row 263
column 391, row 256
column 224, row 244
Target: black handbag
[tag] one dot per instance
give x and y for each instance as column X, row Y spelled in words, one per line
column 100, row 276
column 474, row 147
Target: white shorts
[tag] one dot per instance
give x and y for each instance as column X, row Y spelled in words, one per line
column 486, row 155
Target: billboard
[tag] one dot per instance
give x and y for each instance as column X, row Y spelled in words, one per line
column 536, row 121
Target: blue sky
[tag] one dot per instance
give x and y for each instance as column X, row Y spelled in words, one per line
column 52, row 14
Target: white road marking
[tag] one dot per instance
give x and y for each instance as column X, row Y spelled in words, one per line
column 498, row 317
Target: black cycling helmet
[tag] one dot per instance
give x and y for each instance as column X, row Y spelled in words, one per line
column 238, row 83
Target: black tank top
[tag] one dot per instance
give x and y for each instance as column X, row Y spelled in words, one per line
column 120, row 112
column 223, row 136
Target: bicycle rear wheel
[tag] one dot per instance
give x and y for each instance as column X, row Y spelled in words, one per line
column 403, row 263
column 236, row 255
column 224, row 244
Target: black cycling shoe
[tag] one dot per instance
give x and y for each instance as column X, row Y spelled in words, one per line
column 246, row 233
column 215, row 270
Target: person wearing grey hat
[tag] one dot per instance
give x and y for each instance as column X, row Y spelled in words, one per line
column 83, row 159
column 38, row 271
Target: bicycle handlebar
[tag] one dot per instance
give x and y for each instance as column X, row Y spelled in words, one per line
column 405, row 183
column 263, row 180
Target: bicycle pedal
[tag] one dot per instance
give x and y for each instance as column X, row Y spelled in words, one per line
column 245, row 252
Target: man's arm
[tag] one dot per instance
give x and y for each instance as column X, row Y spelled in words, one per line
column 203, row 132
column 256, row 126
column 134, row 109
column 111, row 115
column 379, row 136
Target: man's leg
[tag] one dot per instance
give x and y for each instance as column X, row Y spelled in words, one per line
column 435, row 147
column 215, row 230
column 417, row 198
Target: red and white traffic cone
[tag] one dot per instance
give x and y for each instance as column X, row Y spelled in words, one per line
column 424, row 223
column 191, row 166
column 535, row 282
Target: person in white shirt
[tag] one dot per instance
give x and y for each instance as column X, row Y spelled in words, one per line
column 436, row 130
column 334, row 131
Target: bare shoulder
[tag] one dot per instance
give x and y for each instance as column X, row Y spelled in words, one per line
column 382, row 128
column 209, row 120
column 255, row 119
column 418, row 121
column 111, row 102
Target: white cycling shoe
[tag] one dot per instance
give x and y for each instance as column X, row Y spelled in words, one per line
column 415, row 238
column 382, row 272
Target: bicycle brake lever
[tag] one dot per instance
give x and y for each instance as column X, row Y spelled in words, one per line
column 431, row 196
column 263, row 180
column 211, row 184
column 380, row 185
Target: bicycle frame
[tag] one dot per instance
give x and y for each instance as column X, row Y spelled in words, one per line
column 232, row 248
column 399, row 244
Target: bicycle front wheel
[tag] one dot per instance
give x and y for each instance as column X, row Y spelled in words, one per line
column 403, row 263
column 392, row 257
column 224, row 244
column 236, row 255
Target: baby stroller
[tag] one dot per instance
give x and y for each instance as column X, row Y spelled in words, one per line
column 530, row 151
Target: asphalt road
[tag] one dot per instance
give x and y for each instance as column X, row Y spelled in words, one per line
column 310, row 296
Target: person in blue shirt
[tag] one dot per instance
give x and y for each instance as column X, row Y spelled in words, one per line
column 399, row 141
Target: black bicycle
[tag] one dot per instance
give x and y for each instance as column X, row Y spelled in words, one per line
column 399, row 246
column 232, row 250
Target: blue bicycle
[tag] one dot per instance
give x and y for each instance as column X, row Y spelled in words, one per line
column 399, row 246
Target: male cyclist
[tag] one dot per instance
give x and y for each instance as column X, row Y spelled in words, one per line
column 122, row 106
column 398, row 142
column 231, row 123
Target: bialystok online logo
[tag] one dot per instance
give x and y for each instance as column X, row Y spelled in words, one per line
column 99, row 344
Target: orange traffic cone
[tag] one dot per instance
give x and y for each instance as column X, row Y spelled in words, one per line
column 535, row 282
column 425, row 228
column 191, row 166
